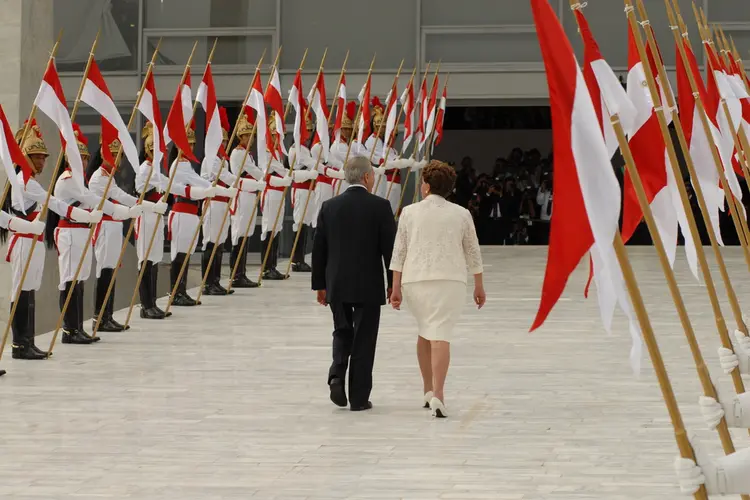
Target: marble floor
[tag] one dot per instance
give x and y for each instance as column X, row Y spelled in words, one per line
column 228, row 401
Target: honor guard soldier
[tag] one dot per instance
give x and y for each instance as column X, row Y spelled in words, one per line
column 218, row 207
column 184, row 219
column 389, row 173
column 71, row 237
column 326, row 186
column 157, row 183
column 339, row 149
column 304, row 160
column 276, row 182
column 244, row 206
column 107, row 239
column 26, row 205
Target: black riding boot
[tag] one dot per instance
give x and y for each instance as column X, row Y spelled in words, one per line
column 80, row 298
column 298, row 259
column 271, row 273
column 155, row 289
column 210, row 287
column 71, row 333
column 22, row 334
column 240, row 279
column 108, row 324
column 216, row 264
column 148, row 298
column 181, row 298
column 32, row 323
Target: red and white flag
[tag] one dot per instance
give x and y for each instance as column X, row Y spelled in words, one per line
column 318, row 101
column 11, row 155
column 407, row 101
column 273, row 99
column 340, row 109
column 256, row 103
column 178, row 118
column 390, row 115
column 300, row 133
column 363, row 127
column 206, row 96
column 698, row 142
column 648, row 148
column 430, row 123
column 586, row 192
column 96, row 94
column 440, row 118
column 51, row 101
column 423, row 112
column 149, row 108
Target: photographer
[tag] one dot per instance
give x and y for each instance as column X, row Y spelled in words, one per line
column 544, row 198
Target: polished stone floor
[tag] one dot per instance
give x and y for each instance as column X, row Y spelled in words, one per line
column 228, row 401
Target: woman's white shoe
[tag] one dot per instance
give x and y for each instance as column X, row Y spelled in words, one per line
column 427, row 399
column 438, row 408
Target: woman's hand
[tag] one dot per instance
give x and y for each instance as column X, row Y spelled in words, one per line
column 479, row 296
column 395, row 298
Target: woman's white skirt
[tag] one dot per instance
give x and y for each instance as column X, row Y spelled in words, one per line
column 436, row 305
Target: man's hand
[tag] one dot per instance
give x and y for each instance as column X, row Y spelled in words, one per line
column 394, row 297
column 321, row 297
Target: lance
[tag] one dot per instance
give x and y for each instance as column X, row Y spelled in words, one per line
column 721, row 326
column 413, row 152
column 317, row 163
column 207, row 202
column 390, row 185
column 99, row 207
column 429, row 139
column 289, row 172
column 355, row 124
column 157, row 223
column 386, row 141
column 704, row 376
column 6, row 192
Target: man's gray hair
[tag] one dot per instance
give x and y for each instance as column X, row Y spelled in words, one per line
column 356, row 168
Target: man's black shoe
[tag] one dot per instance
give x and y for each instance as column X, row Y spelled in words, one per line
column 366, row 406
column 338, row 395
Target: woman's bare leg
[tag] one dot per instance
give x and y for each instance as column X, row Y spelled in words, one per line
column 441, row 357
column 424, row 356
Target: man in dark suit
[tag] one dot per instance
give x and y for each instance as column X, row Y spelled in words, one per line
column 351, row 255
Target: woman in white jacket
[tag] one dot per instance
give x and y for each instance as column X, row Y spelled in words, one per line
column 435, row 245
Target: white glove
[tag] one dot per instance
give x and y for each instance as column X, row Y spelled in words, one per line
column 335, row 173
column 23, row 226
column 379, row 170
column 736, row 411
column 743, row 351
column 159, row 207
column 712, row 411
column 251, row 185
column 418, row 165
column 229, row 192
column 299, row 175
column 313, row 174
column 95, row 216
column 120, row 212
column 729, row 475
column 391, row 165
column 136, row 211
column 199, row 193
column 81, row 216
column 281, row 181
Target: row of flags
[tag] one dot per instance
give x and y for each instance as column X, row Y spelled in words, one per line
column 587, row 193
column 51, row 101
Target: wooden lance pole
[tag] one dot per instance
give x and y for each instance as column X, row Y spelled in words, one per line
column 386, row 142
column 118, row 158
column 6, row 192
column 317, row 163
column 289, row 173
column 355, row 123
column 206, row 203
column 157, row 223
column 60, row 157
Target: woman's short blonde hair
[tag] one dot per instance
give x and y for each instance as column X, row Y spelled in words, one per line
column 440, row 176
